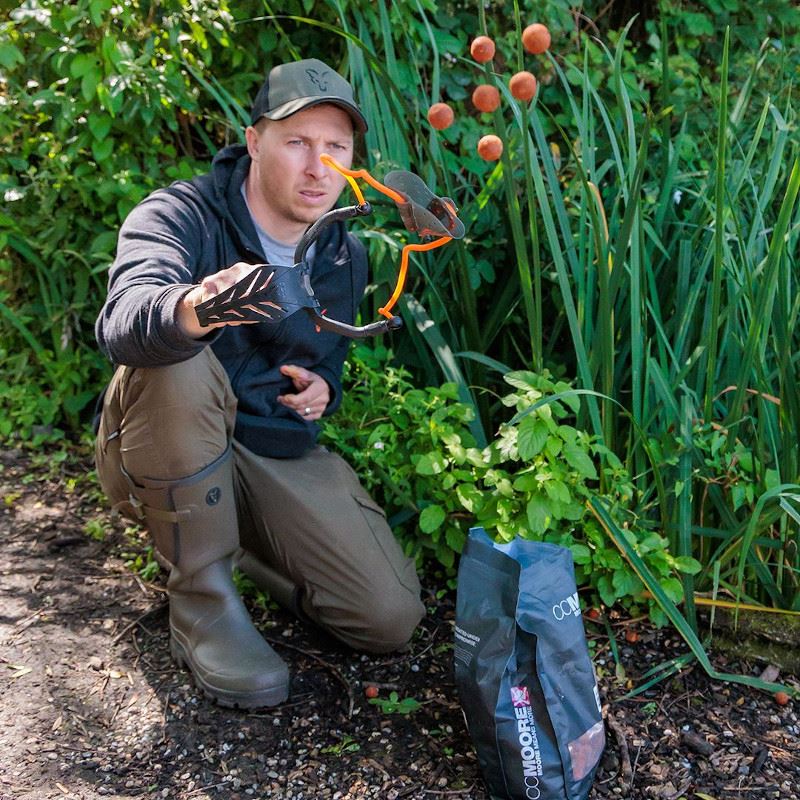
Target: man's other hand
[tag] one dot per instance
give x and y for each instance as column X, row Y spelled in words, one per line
column 209, row 287
column 313, row 393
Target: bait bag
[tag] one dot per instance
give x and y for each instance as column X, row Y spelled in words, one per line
column 523, row 672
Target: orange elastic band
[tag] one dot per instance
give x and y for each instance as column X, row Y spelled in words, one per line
column 329, row 161
column 401, row 278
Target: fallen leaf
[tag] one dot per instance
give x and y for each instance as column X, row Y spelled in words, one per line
column 21, row 670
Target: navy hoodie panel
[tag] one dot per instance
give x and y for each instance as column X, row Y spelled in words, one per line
column 191, row 229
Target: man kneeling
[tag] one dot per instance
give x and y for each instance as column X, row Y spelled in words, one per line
column 208, row 434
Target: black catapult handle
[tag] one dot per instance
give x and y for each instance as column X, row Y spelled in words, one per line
column 335, row 215
column 271, row 293
column 355, row 331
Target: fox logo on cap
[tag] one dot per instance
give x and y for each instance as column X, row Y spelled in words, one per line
column 318, row 78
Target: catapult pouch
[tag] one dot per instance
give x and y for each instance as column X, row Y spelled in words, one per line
column 523, row 671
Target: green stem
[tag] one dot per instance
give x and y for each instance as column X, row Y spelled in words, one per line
column 719, row 234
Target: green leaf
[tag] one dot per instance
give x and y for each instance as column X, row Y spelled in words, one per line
column 558, row 491
column 553, row 447
column 469, row 497
column 539, row 513
column 531, row 437
column 431, row 464
column 431, row 518
column 89, row 83
column 455, row 538
column 581, row 554
column 81, row 64
column 99, row 125
column 606, row 590
column 96, row 9
column 626, row 583
column 672, row 588
column 698, row 24
column 104, row 243
column 10, row 55
column 102, row 150
column 445, row 555
column 75, row 403
column 687, row 564
column 527, row 482
column 522, row 379
column 579, row 460
column 651, row 542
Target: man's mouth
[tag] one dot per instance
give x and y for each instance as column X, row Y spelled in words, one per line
column 313, row 194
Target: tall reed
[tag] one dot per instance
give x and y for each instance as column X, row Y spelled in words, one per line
column 675, row 278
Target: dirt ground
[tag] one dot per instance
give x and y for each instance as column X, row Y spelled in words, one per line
column 91, row 706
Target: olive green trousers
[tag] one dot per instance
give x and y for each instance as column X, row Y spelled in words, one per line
column 307, row 519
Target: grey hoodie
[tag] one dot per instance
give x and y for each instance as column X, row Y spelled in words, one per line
column 191, row 229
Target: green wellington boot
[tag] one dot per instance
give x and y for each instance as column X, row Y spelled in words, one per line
column 193, row 525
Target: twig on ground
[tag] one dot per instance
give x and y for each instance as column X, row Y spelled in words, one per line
column 625, row 759
column 200, row 789
column 376, row 766
column 138, row 619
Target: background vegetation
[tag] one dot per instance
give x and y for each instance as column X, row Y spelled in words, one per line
column 619, row 325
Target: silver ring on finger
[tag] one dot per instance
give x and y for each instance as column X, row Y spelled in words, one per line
column 306, row 410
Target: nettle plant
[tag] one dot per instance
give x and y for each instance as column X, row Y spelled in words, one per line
column 414, row 450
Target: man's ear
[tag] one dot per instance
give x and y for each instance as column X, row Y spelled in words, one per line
column 252, row 138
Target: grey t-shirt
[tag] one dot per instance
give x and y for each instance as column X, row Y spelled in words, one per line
column 278, row 253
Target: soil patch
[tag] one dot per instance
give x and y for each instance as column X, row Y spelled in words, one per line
column 91, row 705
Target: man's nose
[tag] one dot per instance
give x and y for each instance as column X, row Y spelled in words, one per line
column 315, row 168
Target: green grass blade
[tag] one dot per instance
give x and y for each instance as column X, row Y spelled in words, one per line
column 719, row 234
column 621, row 539
column 762, row 313
column 447, row 361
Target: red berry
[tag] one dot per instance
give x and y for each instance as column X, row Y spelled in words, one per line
column 523, row 86
column 486, row 98
column 536, row 38
column 490, row 147
column 482, row 49
column 781, row 698
column 371, row 691
column 440, row 116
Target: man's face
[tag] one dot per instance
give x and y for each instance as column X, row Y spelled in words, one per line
column 292, row 188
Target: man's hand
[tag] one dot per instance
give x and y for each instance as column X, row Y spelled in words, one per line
column 209, row 286
column 313, row 392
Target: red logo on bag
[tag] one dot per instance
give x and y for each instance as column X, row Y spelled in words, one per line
column 520, row 696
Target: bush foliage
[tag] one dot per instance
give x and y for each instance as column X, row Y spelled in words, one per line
column 638, row 239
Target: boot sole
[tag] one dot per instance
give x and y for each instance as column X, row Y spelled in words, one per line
column 273, row 696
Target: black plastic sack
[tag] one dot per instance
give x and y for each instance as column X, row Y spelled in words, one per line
column 524, row 676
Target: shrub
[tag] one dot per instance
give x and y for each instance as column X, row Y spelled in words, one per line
column 414, row 451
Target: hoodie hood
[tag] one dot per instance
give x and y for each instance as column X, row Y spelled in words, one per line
column 223, row 191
